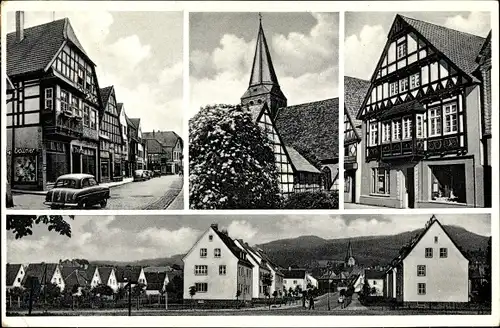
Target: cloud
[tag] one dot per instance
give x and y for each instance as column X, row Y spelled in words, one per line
column 478, row 23
column 306, row 66
column 242, row 229
column 363, row 51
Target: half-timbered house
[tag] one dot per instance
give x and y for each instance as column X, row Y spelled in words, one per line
column 424, row 132
column 110, row 136
column 354, row 93
column 53, row 105
column 303, row 137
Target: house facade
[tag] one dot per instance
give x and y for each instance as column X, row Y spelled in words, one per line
column 46, row 273
column 167, row 153
column 15, row 275
column 126, row 169
column 375, row 280
column 354, row 94
column 431, row 268
column 217, row 268
column 110, row 136
column 426, row 120
column 53, row 106
column 130, row 274
column 293, row 278
column 108, row 277
column 306, row 156
column 260, row 268
column 137, row 146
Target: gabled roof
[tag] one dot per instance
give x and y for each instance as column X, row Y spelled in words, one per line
column 42, row 271
column 74, row 276
column 166, row 138
column 119, row 107
column 232, row 246
column 135, row 122
column 311, row 128
column 105, row 93
column 460, row 47
column 354, row 94
column 154, row 146
column 155, row 280
column 131, row 273
column 12, row 271
column 90, row 271
column 408, row 248
column 40, row 45
column 253, row 254
column 294, row 274
column 104, row 273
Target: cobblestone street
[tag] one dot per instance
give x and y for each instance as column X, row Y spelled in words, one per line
column 157, row 193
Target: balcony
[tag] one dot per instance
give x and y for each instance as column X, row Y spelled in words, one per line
column 63, row 125
column 396, row 150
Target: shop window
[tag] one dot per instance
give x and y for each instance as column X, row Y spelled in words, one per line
column 380, row 180
column 448, row 183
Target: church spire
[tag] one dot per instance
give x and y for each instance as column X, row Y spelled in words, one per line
column 349, row 258
column 262, row 68
column 263, row 87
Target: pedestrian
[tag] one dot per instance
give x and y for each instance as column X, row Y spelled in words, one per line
column 311, row 302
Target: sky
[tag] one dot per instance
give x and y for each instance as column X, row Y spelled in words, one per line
column 303, row 46
column 366, row 34
column 140, row 53
column 129, row 238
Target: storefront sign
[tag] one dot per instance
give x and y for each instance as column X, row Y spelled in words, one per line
column 19, row 151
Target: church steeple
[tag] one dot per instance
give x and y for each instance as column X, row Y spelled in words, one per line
column 349, row 258
column 263, row 85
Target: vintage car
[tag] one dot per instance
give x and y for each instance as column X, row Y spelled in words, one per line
column 141, row 175
column 156, row 173
column 77, row 190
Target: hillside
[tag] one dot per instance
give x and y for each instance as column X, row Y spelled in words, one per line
column 305, row 251
column 367, row 250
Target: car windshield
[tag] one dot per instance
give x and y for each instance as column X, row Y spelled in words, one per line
column 137, row 172
column 66, row 183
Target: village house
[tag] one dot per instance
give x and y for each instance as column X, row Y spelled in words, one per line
column 260, row 268
column 126, row 168
column 426, row 134
column 108, row 277
column 375, row 280
column 53, row 105
column 217, row 268
column 354, row 94
column 110, row 135
column 45, row 273
column 157, row 282
column 301, row 136
column 137, row 146
column 295, row 278
column 166, row 153
column 276, row 274
column 75, row 279
column 130, row 274
column 430, row 268
column 15, row 275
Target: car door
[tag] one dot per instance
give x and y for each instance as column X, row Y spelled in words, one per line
column 96, row 190
column 85, row 192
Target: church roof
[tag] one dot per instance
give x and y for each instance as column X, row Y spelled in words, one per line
column 311, row 129
column 262, row 68
column 39, row 46
column 299, row 162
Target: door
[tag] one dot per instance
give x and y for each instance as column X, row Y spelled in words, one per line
column 349, row 186
column 410, row 186
column 76, row 165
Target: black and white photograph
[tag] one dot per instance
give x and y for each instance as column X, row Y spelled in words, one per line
column 195, row 265
column 418, row 113
column 94, row 110
column 263, row 129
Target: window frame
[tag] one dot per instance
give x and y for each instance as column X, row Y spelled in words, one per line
column 450, row 115
column 201, row 270
column 203, row 252
column 407, row 129
column 222, row 270
column 217, row 255
column 443, row 255
column 421, row 270
column 421, row 288
column 429, row 252
column 396, row 128
column 375, row 179
column 435, row 116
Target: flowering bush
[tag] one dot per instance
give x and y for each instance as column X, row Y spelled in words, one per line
column 313, row 200
column 231, row 163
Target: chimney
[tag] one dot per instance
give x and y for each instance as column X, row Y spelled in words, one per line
column 153, row 133
column 19, row 26
column 214, row 226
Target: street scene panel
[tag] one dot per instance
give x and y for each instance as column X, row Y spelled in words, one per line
column 249, row 265
column 94, row 110
column 264, row 110
column 417, row 114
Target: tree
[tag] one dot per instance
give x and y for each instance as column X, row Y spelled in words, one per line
column 267, row 281
column 16, row 293
column 275, row 294
column 138, row 291
column 238, row 294
column 21, row 225
column 51, row 293
column 231, row 162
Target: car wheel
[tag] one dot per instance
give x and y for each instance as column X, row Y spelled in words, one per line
column 104, row 203
column 83, row 204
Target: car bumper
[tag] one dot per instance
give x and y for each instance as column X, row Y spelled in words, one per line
column 60, row 204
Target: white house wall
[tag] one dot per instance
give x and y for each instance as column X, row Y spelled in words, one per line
column 446, row 278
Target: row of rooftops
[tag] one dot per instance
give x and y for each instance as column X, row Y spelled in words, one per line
column 82, row 275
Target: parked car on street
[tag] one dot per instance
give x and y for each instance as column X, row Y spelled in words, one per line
column 157, row 173
column 141, row 175
column 77, row 190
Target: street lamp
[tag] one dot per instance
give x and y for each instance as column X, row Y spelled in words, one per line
column 329, row 282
